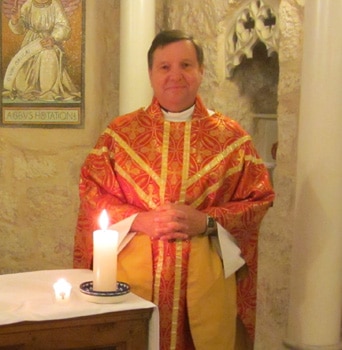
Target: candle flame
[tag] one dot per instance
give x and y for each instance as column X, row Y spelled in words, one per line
column 62, row 289
column 104, row 220
column 62, row 282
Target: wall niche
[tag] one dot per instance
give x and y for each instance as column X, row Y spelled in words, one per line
column 252, row 64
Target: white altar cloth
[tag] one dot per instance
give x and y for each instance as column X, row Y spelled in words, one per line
column 29, row 296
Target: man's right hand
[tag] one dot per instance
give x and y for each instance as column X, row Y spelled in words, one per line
column 160, row 224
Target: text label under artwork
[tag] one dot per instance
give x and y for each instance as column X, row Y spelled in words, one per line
column 51, row 116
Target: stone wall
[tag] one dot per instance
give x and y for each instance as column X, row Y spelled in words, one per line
column 277, row 229
column 39, row 168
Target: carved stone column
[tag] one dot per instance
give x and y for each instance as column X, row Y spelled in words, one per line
column 137, row 29
column 316, row 295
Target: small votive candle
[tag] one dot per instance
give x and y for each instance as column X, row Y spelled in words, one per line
column 62, row 290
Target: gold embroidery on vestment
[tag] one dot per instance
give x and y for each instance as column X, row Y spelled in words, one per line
column 159, row 267
column 99, row 151
column 165, row 152
column 218, row 159
column 216, row 186
column 135, row 157
column 141, row 192
column 176, row 293
column 186, row 161
column 162, row 188
column 254, row 159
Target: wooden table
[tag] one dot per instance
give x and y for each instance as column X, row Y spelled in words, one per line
column 123, row 330
column 30, row 318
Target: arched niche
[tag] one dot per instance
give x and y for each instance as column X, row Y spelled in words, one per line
column 256, row 21
column 251, row 57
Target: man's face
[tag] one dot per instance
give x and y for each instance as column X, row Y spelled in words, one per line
column 176, row 75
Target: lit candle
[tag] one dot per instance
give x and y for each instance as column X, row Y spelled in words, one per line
column 62, row 290
column 105, row 256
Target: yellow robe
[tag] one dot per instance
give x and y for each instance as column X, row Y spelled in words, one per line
column 209, row 162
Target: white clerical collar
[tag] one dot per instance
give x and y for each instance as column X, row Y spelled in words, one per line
column 178, row 116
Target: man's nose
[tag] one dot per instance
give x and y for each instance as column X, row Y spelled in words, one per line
column 176, row 73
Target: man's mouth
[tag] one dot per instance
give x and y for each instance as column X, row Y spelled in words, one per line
column 177, row 87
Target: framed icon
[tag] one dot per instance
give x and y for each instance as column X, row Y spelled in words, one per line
column 42, row 63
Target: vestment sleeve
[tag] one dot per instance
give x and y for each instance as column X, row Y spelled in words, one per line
column 241, row 216
column 98, row 189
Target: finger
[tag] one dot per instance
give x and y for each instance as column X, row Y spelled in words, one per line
column 163, row 228
column 170, row 215
column 164, row 207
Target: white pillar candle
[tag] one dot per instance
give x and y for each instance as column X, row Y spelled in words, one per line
column 316, row 295
column 105, row 256
column 137, row 29
column 62, row 290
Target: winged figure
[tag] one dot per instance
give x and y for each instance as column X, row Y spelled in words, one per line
column 37, row 71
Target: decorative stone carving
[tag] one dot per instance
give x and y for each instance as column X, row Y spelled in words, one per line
column 257, row 21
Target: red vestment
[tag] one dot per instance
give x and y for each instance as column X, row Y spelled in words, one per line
column 209, row 162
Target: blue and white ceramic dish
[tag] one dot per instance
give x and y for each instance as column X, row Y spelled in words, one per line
column 100, row 297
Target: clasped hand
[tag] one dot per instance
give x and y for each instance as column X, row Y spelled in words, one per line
column 171, row 221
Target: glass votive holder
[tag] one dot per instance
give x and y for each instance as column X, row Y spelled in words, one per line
column 62, row 290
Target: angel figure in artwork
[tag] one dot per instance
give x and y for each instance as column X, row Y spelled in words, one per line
column 37, row 72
